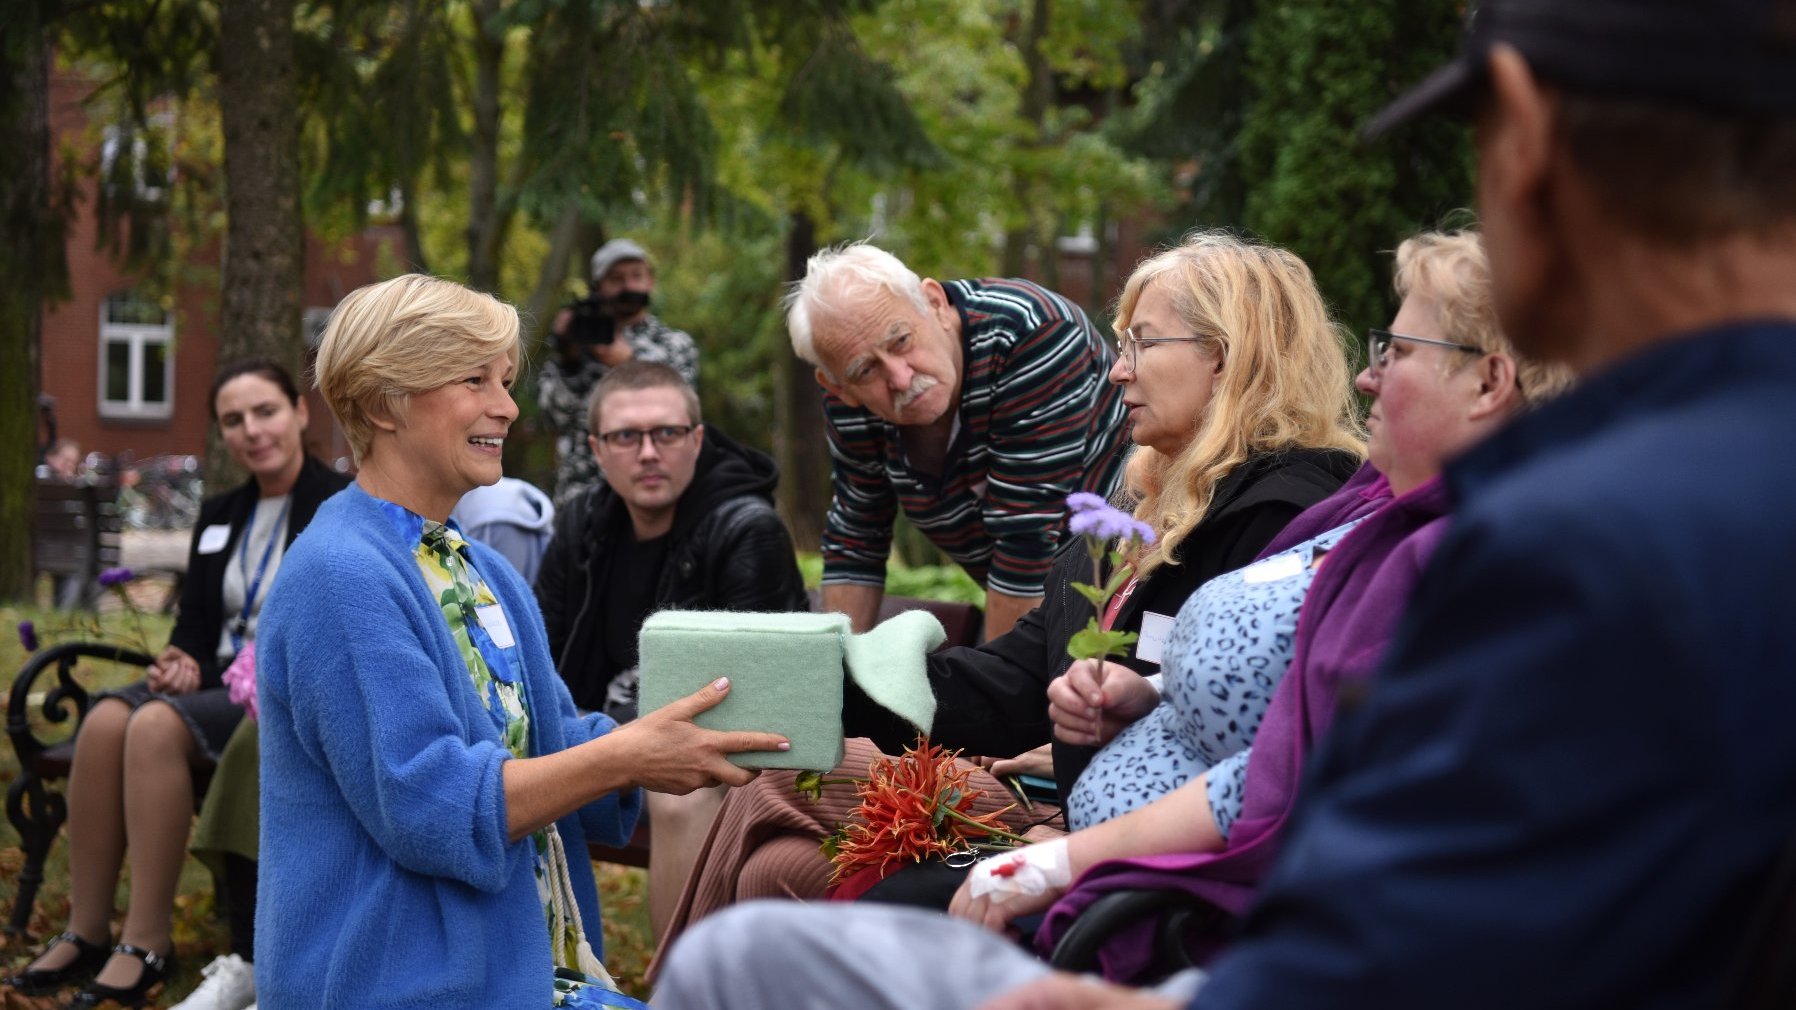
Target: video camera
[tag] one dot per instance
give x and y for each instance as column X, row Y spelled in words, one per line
column 593, row 320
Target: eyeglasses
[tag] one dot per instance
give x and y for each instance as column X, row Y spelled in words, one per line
column 1378, row 347
column 1128, row 345
column 631, row 438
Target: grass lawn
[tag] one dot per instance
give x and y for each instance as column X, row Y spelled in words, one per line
column 199, row 929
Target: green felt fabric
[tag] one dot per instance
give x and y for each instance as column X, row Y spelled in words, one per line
column 786, row 674
column 887, row 663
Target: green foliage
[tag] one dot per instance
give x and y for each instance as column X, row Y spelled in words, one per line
column 929, row 582
column 1318, row 70
column 1093, row 643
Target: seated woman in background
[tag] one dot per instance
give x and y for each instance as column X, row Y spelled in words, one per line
column 427, row 784
column 132, row 783
column 1440, row 381
column 1240, row 403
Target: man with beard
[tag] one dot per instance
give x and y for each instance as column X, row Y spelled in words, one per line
column 976, row 406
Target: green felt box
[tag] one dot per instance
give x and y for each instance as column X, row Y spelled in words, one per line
column 786, row 673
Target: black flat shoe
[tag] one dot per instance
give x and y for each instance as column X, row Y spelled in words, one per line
column 87, row 963
column 156, row 968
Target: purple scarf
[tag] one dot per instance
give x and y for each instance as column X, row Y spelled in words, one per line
column 1346, row 622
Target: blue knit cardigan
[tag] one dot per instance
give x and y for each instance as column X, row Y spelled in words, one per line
column 387, row 877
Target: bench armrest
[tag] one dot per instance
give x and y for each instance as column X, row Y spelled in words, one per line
column 64, row 693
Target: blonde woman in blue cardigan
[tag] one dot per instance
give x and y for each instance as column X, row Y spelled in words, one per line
column 425, row 774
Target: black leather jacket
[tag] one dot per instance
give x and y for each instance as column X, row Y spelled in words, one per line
column 993, row 699
column 728, row 550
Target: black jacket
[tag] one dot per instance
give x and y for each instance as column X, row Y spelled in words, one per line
column 202, row 617
column 728, row 550
column 993, row 699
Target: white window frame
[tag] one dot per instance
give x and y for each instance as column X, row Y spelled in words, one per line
column 139, row 337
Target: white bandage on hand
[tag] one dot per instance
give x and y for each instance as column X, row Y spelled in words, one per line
column 1030, row 870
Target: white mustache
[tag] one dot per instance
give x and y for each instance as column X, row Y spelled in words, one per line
column 919, row 384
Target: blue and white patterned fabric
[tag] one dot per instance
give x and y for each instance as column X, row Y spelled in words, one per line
column 1228, row 649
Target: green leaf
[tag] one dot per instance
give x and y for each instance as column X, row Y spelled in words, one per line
column 1098, row 597
column 1092, row 643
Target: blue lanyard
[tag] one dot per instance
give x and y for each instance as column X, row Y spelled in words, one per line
column 252, row 588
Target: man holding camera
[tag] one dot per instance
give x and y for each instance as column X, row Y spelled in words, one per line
column 608, row 327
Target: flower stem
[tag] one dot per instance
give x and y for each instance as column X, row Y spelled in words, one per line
column 995, row 831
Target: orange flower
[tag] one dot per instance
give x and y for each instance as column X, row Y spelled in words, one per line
column 915, row 807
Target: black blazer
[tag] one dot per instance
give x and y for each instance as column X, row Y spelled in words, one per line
column 202, row 616
column 993, row 699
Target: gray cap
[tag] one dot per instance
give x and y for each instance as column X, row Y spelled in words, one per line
column 614, row 252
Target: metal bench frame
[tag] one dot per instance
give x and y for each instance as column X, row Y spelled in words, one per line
column 35, row 811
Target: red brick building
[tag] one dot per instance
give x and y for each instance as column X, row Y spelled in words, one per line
column 129, row 372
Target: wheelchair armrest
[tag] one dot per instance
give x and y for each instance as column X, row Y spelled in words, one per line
column 67, row 691
column 1174, row 912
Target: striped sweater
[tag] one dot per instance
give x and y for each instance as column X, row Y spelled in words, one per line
column 1038, row 420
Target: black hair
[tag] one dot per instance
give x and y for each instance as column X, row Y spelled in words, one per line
column 265, row 368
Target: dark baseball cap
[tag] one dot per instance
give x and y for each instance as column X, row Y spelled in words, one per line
column 1725, row 56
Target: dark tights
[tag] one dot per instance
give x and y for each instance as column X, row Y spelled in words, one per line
column 240, row 898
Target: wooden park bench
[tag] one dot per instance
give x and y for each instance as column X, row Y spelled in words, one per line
column 75, row 534
column 963, row 622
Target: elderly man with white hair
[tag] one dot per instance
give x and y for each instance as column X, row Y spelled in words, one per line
column 975, row 406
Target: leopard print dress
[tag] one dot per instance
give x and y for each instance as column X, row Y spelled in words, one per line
column 1227, row 651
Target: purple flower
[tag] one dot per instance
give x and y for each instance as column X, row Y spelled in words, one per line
column 28, row 636
column 116, row 577
column 1085, row 501
column 1106, row 523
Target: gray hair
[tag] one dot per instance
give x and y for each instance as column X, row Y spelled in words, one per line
column 837, row 278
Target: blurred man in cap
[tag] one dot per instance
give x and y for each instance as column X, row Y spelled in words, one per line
column 1572, row 781
column 608, row 327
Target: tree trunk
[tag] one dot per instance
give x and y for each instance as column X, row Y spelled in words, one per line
column 1038, row 93
column 546, row 299
column 483, row 160
column 800, row 446
column 264, row 260
column 31, row 258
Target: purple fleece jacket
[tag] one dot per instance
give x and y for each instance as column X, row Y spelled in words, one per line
column 1347, row 620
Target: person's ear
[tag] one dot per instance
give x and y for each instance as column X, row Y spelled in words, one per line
column 1496, row 394
column 1517, row 191
column 382, row 415
column 304, row 416
column 698, row 436
column 839, row 392
column 592, row 445
column 936, row 297
column 1515, row 137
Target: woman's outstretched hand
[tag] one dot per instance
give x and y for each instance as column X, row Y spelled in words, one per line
column 1094, row 700
column 675, row 755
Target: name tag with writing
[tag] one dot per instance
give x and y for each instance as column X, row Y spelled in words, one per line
column 1272, row 569
column 1154, row 629
column 214, row 538
column 492, row 620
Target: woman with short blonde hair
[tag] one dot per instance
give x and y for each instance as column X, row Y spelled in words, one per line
column 416, row 739
column 404, row 336
column 1451, row 271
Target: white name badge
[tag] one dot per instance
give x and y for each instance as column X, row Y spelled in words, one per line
column 1152, row 644
column 1272, row 569
column 492, row 619
column 214, row 538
